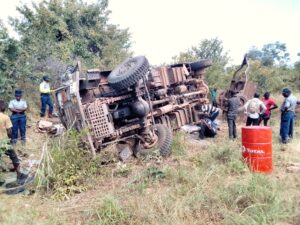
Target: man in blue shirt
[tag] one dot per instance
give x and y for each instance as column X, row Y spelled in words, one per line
column 287, row 115
column 18, row 108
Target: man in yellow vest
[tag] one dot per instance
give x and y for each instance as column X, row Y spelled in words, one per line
column 45, row 97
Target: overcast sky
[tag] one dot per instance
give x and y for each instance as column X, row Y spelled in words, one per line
column 161, row 29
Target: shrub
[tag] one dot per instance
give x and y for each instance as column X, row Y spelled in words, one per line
column 66, row 167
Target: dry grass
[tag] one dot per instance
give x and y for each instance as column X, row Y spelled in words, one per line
column 201, row 183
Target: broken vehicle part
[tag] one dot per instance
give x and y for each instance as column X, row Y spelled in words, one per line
column 239, row 84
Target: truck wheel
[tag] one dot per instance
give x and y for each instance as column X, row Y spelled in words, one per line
column 128, row 72
column 201, row 64
column 163, row 144
column 164, row 139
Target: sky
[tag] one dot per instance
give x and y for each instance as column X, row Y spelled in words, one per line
column 161, row 29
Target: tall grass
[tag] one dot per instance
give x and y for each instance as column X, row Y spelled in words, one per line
column 209, row 187
column 109, row 213
column 200, row 184
column 67, row 167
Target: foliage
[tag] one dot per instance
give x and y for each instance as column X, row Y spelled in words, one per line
column 67, row 167
column 267, row 78
column 268, row 66
column 208, row 49
column 271, row 54
column 9, row 52
column 68, row 29
column 56, row 33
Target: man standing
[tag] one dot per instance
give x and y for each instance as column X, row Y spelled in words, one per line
column 232, row 111
column 254, row 108
column 270, row 105
column 6, row 127
column 18, row 107
column 287, row 115
column 45, row 97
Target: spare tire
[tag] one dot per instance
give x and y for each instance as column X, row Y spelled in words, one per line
column 128, row 72
column 195, row 66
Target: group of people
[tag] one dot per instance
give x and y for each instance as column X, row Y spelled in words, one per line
column 259, row 111
column 10, row 127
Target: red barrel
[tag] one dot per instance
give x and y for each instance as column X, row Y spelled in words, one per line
column 257, row 148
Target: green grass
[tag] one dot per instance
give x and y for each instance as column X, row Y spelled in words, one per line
column 67, row 167
column 109, row 213
column 178, row 144
column 197, row 185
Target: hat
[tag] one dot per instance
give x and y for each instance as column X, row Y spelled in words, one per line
column 286, row 91
column 18, row 93
column 46, row 78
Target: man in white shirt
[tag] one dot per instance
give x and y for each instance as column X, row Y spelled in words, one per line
column 254, row 108
column 18, row 107
column 45, row 97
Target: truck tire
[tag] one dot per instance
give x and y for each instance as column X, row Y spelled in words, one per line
column 163, row 144
column 128, row 73
column 201, row 64
column 164, row 139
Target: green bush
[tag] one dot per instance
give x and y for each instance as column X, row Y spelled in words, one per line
column 67, row 167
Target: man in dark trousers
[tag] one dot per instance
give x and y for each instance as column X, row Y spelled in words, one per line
column 5, row 135
column 254, row 108
column 232, row 111
column 270, row 105
column 287, row 115
column 45, row 97
column 18, row 107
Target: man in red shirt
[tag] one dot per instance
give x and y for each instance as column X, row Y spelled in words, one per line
column 270, row 105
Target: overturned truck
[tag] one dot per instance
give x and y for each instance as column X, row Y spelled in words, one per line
column 133, row 104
